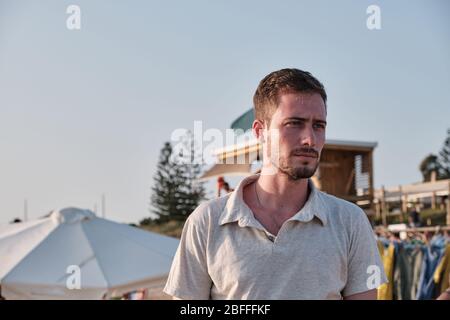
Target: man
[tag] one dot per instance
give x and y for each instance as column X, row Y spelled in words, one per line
column 414, row 218
column 223, row 185
column 226, row 188
column 276, row 236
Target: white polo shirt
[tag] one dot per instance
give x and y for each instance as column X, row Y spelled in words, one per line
column 327, row 250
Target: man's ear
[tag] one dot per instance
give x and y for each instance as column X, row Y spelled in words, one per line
column 258, row 130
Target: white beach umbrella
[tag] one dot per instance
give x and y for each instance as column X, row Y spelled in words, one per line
column 72, row 254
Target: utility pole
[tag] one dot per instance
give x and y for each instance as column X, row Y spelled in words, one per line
column 25, row 210
column 103, row 206
column 384, row 210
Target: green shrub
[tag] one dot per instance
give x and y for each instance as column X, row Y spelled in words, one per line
column 171, row 228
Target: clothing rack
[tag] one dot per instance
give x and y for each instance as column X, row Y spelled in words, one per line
column 420, row 229
column 425, row 229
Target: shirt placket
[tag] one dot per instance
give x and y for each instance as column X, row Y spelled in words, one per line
column 265, row 235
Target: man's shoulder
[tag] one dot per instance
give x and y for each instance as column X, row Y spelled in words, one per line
column 338, row 206
column 345, row 215
column 209, row 210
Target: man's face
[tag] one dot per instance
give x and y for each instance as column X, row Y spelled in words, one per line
column 297, row 134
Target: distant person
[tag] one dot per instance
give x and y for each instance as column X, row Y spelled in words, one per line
column 414, row 219
column 226, row 188
column 223, row 185
column 220, row 182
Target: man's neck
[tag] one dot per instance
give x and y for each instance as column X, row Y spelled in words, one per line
column 279, row 193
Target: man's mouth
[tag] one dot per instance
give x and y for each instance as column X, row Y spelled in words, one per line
column 306, row 155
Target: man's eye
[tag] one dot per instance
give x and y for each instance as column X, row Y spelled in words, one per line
column 293, row 123
column 319, row 125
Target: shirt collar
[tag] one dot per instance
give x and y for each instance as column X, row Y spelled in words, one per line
column 237, row 210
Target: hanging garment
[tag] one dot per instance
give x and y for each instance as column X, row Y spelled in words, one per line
column 387, row 256
column 432, row 256
column 442, row 274
column 408, row 261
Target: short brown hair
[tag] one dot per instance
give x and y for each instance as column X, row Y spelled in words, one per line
column 267, row 95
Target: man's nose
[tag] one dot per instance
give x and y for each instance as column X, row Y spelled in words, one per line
column 308, row 137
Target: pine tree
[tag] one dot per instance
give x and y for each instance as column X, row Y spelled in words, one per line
column 176, row 191
column 444, row 158
column 191, row 190
column 429, row 164
column 164, row 190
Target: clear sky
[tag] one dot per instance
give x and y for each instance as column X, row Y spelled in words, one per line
column 85, row 112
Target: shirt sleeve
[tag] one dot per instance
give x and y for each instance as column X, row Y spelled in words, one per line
column 365, row 269
column 188, row 277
